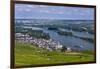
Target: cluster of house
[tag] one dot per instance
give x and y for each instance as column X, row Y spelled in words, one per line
column 43, row 43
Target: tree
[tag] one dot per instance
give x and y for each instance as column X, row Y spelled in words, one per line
column 63, row 48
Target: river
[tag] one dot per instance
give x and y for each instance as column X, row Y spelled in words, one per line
column 71, row 41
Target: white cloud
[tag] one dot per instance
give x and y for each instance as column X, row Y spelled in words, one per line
column 43, row 6
column 30, row 6
column 27, row 10
column 52, row 11
column 56, row 12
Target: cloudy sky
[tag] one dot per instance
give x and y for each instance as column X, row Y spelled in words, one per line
column 26, row 11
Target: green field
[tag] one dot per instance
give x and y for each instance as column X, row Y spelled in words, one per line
column 27, row 54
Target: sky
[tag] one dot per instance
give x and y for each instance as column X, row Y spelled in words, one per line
column 27, row 11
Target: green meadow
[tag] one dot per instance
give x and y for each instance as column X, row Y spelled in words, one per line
column 28, row 54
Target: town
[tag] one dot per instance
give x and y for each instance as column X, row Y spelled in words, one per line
column 48, row 44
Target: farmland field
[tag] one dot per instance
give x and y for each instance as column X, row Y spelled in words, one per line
column 27, row 54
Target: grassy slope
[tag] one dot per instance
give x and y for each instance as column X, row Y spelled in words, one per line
column 26, row 54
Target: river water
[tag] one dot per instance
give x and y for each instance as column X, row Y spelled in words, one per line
column 71, row 41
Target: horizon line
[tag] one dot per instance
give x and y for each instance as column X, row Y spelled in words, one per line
column 50, row 19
